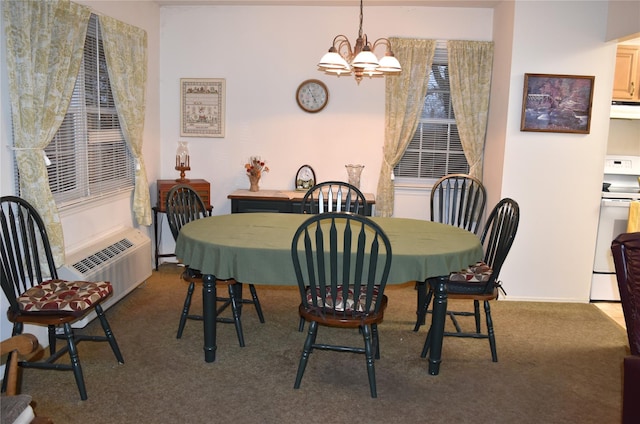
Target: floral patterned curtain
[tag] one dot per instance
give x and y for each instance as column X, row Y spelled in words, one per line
column 128, row 76
column 470, row 67
column 45, row 42
column 405, row 95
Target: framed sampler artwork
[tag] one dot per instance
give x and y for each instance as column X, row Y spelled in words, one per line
column 202, row 107
column 557, row 103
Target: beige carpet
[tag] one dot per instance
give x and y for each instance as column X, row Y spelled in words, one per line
column 558, row 363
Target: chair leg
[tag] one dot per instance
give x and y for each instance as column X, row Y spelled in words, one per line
column 422, row 310
column 51, row 332
column 376, row 339
column 476, row 314
column 109, row 334
column 301, row 325
column 490, row 332
column 185, row 309
column 235, row 309
column 306, row 351
column 427, row 345
column 421, row 287
column 256, row 302
column 368, row 350
column 75, row 361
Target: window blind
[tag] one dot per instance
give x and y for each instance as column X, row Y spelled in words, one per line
column 435, row 149
column 89, row 156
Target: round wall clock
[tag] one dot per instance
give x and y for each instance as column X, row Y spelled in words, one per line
column 305, row 178
column 312, row 95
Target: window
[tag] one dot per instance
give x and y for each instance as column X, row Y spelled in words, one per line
column 435, row 149
column 89, row 156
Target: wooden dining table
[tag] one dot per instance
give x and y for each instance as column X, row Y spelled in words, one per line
column 256, row 248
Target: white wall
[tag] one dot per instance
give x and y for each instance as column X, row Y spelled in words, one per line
column 264, row 53
column 556, row 178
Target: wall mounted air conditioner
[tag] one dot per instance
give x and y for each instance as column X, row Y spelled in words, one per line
column 123, row 259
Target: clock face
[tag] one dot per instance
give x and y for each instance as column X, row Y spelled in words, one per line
column 312, row 96
column 305, row 178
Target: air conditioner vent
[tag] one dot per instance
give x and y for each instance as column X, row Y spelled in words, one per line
column 102, row 256
column 124, row 259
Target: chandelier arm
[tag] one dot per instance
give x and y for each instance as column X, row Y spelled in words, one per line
column 382, row 41
column 341, row 42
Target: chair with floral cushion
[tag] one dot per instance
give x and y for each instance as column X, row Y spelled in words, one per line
column 184, row 205
column 36, row 295
column 341, row 262
column 479, row 282
column 458, row 200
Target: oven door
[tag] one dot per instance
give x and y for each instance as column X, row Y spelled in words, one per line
column 614, row 215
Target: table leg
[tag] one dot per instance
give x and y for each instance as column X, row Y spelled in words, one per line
column 437, row 325
column 209, row 316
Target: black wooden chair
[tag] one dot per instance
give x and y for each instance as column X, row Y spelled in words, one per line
column 480, row 281
column 341, row 261
column 334, row 196
column 184, row 205
column 458, row 200
column 626, row 257
column 36, row 295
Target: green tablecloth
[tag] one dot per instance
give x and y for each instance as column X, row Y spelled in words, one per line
column 256, row 247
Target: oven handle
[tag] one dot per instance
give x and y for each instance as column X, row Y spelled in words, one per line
column 616, row 203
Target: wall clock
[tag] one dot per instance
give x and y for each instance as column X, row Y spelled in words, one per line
column 312, row 95
column 305, row 178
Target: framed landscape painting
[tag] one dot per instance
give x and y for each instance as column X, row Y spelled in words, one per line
column 557, row 103
column 202, row 107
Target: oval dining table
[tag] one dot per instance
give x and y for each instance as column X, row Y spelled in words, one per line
column 256, row 248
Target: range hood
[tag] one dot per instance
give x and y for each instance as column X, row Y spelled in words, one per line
column 625, row 110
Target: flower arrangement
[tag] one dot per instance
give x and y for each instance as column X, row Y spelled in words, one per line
column 255, row 168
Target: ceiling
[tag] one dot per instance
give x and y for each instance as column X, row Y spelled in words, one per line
column 433, row 3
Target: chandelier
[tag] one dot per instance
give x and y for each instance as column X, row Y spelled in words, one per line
column 342, row 59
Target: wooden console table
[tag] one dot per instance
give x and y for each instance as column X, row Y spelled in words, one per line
column 202, row 187
column 282, row 201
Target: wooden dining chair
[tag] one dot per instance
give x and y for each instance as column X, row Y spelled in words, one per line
column 334, row 196
column 37, row 296
column 458, row 200
column 479, row 282
column 16, row 406
column 183, row 205
column 341, row 262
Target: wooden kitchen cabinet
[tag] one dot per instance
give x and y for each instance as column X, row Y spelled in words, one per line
column 626, row 82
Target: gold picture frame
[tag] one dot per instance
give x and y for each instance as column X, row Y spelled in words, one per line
column 557, row 103
column 202, row 107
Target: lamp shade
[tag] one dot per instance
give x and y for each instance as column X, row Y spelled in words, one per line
column 389, row 64
column 365, row 59
column 333, row 60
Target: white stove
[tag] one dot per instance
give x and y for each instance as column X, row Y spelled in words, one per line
column 620, row 186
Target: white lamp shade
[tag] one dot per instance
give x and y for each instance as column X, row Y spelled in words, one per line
column 365, row 59
column 389, row 64
column 333, row 60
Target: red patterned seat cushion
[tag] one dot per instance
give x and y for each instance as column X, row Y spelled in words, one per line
column 65, row 296
column 476, row 273
column 351, row 304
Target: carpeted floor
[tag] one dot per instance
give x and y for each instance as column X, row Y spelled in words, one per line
column 558, row 363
